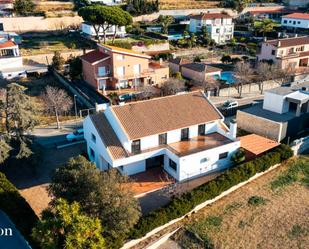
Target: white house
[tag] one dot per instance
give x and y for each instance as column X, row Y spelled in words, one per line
column 88, row 30
column 11, row 63
column 183, row 134
column 219, row 25
column 296, row 20
column 107, row 2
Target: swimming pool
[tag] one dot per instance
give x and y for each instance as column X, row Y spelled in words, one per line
column 173, row 37
column 226, row 76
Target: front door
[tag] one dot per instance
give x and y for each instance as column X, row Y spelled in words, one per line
column 155, row 162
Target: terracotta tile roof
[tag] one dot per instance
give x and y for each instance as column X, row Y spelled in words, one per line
column 201, row 67
column 94, row 56
column 155, row 116
column 207, row 16
column 289, row 42
column 298, row 16
column 124, row 50
column 108, row 136
column 257, row 144
column 7, row 44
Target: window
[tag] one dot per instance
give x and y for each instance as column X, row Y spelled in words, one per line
column 273, row 52
column 223, row 155
column 294, row 22
column 92, row 154
column 285, row 21
column 185, row 134
column 298, row 22
column 137, row 69
column 101, row 71
column 93, row 138
column 162, row 138
column 120, row 71
column 204, row 160
column 173, row 165
column 201, row 129
column 136, row 146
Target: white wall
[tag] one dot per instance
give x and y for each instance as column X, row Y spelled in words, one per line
column 295, row 23
column 275, row 103
column 11, row 62
column 191, row 166
column 134, row 168
column 89, row 30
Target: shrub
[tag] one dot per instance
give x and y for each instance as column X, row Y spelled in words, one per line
column 179, row 206
column 256, row 200
column 239, row 156
column 17, row 208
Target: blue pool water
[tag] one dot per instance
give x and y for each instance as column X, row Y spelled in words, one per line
column 226, row 76
column 173, row 37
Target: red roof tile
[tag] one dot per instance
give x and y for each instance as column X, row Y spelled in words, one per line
column 94, row 56
column 298, row 16
column 7, row 44
column 206, row 16
column 289, row 42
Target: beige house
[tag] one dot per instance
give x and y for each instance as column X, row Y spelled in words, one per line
column 199, row 72
column 288, row 52
column 175, row 64
column 111, row 67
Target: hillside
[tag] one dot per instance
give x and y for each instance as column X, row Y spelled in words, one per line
column 188, row 4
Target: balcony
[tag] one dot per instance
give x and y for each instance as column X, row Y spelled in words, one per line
column 143, row 74
column 104, row 76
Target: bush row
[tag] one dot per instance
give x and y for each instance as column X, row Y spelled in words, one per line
column 179, row 206
column 17, row 208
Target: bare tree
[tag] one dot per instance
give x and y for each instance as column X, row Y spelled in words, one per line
column 280, row 75
column 172, row 86
column 57, row 102
column 208, row 84
column 148, row 91
column 243, row 75
column 264, row 72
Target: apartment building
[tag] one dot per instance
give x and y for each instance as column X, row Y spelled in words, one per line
column 295, row 21
column 111, row 67
column 289, row 52
column 219, row 25
column 183, row 135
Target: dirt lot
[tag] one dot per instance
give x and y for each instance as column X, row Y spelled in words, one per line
column 271, row 212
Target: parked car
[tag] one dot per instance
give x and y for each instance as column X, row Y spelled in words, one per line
column 125, row 96
column 76, row 135
column 229, row 105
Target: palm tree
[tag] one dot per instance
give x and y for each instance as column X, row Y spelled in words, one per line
column 265, row 26
column 165, row 21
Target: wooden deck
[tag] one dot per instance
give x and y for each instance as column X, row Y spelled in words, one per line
column 199, row 143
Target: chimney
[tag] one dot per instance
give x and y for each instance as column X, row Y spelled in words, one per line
column 265, row 39
column 161, row 61
column 233, row 128
column 279, row 43
column 296, row 35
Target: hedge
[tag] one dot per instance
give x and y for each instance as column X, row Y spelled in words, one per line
column 17, row 208
column 180, row 206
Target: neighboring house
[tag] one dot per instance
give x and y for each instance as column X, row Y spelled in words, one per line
column 284, row 113
column 199, row 72
column 111, row 67
column 176, row 63
column 296, row 21
column 88, row 30
column 287, row 52
column 11, row 36
column 182, row 134
column 274, row 14
column 219, row 25
column 6, row 7
column 11, row 63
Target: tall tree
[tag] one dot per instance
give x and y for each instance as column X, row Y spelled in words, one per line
column 238, row 5
column 123, row 19
column 165, row 22
column 243, row 75
column 100, row 194
column 63, row 226
column 104, row 17
column 58, row 61
column 56, row 102
column 5, row 149
column 265, row 26
column 24, row 7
